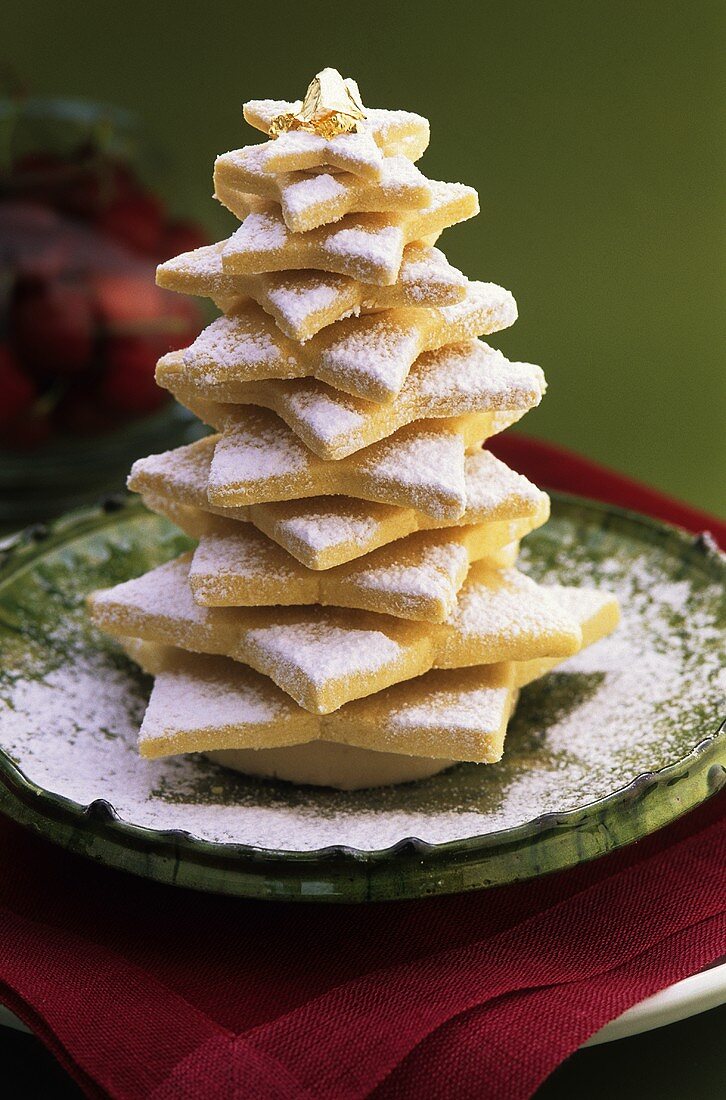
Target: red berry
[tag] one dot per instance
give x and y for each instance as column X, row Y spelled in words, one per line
column 128, row 301
column 44, row 259
column 131, row 305
column 52, row 328
column 128, row 387
column 136, row 220
column 17, row 391
column 181, row 236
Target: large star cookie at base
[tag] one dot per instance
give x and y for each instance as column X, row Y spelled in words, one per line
column 215, row 705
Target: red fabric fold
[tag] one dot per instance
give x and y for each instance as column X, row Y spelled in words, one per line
column 579, row 939
column 145, row 991
column 474, row 1055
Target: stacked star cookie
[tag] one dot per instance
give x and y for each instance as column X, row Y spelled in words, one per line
column 352, row 614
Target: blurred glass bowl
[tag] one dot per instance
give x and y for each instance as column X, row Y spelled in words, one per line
column 82, row 323
column 67, row 472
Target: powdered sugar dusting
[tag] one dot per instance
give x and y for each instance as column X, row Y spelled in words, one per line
column 436, row 570
column 248, row 556
column 374, row 247
column 321, row 528
column 413, row 578
column 259, row 457
column 299, row 299
column 457, row 380
column 357, row 153
column 313, row 199
column 187, row 466
column 300, row 193
column 248, row 339
column 325, row 651
column 506, row 605
column 422, row 264
column 429, row 464
column 490, row 484
column 368, row 247
column 256, row 449
column 304, row 302
column 479, row 711
column 213, row 701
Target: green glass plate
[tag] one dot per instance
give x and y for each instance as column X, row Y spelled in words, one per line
column 614, row 744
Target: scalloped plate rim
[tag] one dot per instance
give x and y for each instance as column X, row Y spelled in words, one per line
column 105, row 813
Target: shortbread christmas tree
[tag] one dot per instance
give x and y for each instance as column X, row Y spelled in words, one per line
column 352, row 614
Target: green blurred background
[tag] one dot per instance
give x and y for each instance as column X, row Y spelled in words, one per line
column 592, row 129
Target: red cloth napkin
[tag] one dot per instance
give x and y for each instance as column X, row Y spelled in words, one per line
column 147, row 991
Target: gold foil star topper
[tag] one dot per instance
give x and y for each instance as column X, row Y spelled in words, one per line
column 331, row 106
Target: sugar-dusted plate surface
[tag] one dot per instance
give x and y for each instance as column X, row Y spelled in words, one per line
column 619, row 741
